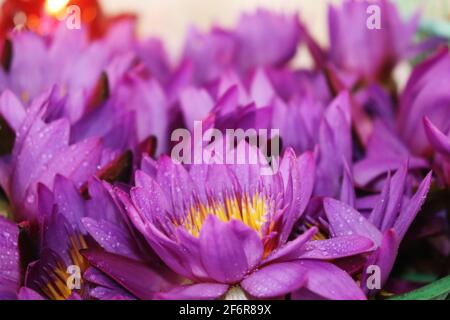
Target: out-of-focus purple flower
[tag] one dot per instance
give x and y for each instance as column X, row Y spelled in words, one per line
column 413, row 138
column 104, row 88
column 261, row 39
column 209, row 55
column 426, row 94
column 255, row 34
column 441, row 145
column 226, row 227
column 385, row 152
column 67, row 58
column 369, row 53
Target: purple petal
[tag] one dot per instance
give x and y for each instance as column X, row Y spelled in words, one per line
column 411, row 209
column 9, row 263
column 112, row 238
column 261, row 89
column 175, row 181
column 69, row 201
column 337, row 247
column 136, row 277
column 344, row 221
column 299, row 178
column 330, row 282
column 32, row 154
column 438, row 140
column 12, row 110
column 275, row 280
column 292, row 249
column 397, row 188
column 106, row 288
column 222, row 253
column 250, row 242
column 200, row 291
column 190, row 247
column 151, row 200
column 169, row 251
column 347, row 191
column 108, row 294
column 78, row 162
column 366, row 170
column 255, row 33
column 195, row 104
column 29, row 294
column 376, row 216
column 384, row 258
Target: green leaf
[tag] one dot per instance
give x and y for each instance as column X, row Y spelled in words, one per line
column 423, row 278
column 437, row 290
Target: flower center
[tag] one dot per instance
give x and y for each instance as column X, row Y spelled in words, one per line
column 251, row 210
column 56, row 285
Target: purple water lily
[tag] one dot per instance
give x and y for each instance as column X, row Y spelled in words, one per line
column 226, row 228
column 70, row 225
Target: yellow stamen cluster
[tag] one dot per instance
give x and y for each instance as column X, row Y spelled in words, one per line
column 319, row 234
column 251, row 210
column 56, row 288
column 75, row 254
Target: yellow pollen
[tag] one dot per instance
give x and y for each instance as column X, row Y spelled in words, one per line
column 56, row 288
column 319, row 234
column 250, row 210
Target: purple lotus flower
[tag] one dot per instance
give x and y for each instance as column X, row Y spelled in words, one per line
column 226, row 228
column 71, row 224
column 371, row 54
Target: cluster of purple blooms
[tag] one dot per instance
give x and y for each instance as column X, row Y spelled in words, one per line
column 87, row 180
